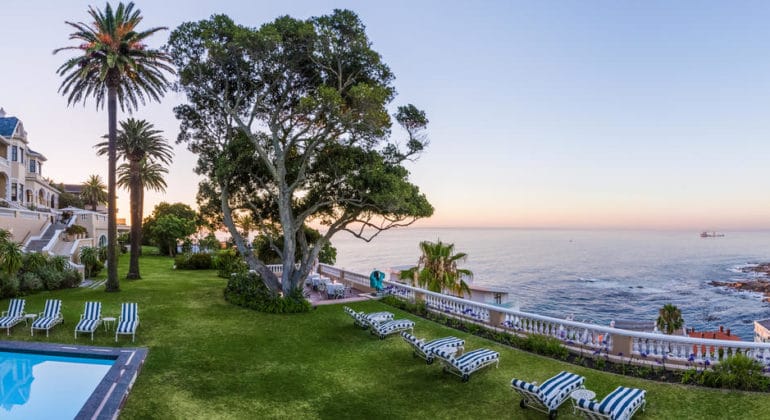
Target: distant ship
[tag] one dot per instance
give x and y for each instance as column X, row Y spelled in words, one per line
column 706, row 234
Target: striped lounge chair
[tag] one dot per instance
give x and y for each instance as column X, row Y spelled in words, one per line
column 129, row 320
column 13, row 315
column 620, row 404
column 550, row 395
column 425, row 349
column 364, row 320
column 90, row 319
column 49, row 318
column 387, row 328
column 468, row 363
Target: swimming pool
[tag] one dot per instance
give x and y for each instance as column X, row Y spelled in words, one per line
column 47, row 381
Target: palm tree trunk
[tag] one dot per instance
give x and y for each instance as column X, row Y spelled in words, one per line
column 136, row 221
column 112, row 284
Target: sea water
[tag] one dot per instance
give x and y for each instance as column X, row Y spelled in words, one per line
column 597, row 276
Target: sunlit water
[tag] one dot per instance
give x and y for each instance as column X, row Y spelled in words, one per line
column 597, row 275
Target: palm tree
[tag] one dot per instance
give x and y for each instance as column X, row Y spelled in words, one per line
column 115, row 66
column 437, row 269
column 150, row 175
column 93, row 191
column 11, row 257
column 137, row 142
column 669, row 318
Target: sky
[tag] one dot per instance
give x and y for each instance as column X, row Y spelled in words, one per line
column 573, row 114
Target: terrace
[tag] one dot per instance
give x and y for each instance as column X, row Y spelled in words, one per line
column 209, row 359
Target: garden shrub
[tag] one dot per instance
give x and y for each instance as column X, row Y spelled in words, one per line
column 30, row 282
column 9, row 285
column 193, row 261
column 248, row 290
column 227, row 262
column 75, row 230
column 71, row 278
column 52, row 279
column 735, row 372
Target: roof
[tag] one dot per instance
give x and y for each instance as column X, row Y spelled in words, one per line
column 38, row 155
column 73, row 188
column 714, row 335
column 764, row 322
column 8, row 126
column 635, row 325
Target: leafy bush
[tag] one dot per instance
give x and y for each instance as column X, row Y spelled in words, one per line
column 30, row 282
column 89, row 257
column 193, row 261
column 75, row 230
column 227, row 262
column 9, row 285
column 71, row 278
column 51, row 278
column 734, row 372
column 248, row 290
column 547, row 346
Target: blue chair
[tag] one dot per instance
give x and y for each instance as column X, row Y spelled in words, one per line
column 49, row 318
column 89, row 319
column 426, row 349
column 620, row 404
column 468, row 363
column 550, row 395
column 128, row 322
column 13, row 315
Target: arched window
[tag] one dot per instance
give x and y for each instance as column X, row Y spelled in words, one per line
column 102, row 241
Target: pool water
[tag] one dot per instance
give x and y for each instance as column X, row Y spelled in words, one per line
column 40, row 386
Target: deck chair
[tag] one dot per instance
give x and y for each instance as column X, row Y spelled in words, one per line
column 550, row 395
column 49, row 318
column 129, row 320
column 425, row 349
column 468, row 363
column 620, row 404
column 387, row 328
column 89, row 319
column 13, row 315
column 364, row 320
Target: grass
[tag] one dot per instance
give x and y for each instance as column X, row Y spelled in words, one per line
column 209, row 360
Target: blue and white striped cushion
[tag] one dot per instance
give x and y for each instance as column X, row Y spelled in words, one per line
column 52, row 308
column 93, row 311
column 44, row 323
column 621, row 401
column 87, row 325
column 128, row 312
column 414, row 341
column 16, row 307
column 9, row 321
column 518, row 383
column 378, row 317
column 472, row 360
column 391, row 327
column 127, row 327
column 446, row 342
column 555, row 390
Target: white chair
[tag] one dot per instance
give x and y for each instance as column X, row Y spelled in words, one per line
column 468, row 363
column 90, row 319
column 425, row 349
column 620, row 404
column 550, row 395
column 128, row 322
column 49, row 318
column 13, row 315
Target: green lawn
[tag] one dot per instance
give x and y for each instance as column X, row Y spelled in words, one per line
column 208, row 359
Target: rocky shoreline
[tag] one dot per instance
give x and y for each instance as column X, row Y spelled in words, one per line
column 759, row 285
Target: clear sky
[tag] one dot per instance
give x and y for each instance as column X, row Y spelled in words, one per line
column 579, row 114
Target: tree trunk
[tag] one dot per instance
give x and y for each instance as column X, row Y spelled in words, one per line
column 112, row 284
column 136, row 220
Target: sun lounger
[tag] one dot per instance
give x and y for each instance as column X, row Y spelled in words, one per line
column 468, row 363
column 49, row 318
column 550, row 395
column 620, row 404
column 90, row 319
column 13, row 315
column 129, row 320
column 425, row 349
column 387, row 328
column 365, row 320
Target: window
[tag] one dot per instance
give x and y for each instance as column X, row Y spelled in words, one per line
column 22, row 155
column 14, row 153
column 29, row 196
column 32, row 165
column 14, row 191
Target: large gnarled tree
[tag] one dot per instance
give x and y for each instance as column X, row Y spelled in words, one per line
column 115, row 66
column 291, row 125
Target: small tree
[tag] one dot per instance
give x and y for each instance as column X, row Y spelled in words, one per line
column 180, row 210
column 11, row 257
column 89, row 257
column 669, row 318
column 437, row 269
column 169, row 229
column 94, row 191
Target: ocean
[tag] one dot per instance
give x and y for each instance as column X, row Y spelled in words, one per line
column 596, row 276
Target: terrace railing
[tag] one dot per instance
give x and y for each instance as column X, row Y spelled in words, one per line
column 615, row 343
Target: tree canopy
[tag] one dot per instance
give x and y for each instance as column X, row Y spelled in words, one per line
column 290, row 123
column 169, row 223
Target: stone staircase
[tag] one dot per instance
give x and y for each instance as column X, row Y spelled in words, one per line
column 37, row 245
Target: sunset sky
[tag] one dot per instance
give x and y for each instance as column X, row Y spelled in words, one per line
column 542, row 114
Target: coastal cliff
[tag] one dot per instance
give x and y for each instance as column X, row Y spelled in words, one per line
column 759, row 285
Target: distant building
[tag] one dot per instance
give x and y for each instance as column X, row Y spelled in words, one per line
column 762, row 331
column 720, row 334
column 76, row 189
column 21, row 169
